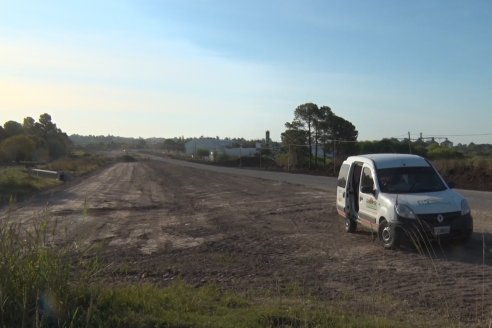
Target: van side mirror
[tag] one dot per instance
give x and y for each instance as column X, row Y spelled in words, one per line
column 367, row 189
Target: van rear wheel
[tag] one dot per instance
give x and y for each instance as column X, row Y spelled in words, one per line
column 388, row 235
column 350, row 225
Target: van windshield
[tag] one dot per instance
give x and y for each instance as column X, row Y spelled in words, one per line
column 401, row 180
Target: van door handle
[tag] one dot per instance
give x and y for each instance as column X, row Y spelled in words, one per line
column 360, row 198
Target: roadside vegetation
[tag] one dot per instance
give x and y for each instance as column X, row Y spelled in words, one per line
column 33, row 141
column 77, row 163
column 18, row 181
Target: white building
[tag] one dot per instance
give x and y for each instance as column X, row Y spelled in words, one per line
column 218, row 146
column 209, row 144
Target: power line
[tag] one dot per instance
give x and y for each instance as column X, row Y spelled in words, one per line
column 440, row 136
column 429, row 135
column 462, row 135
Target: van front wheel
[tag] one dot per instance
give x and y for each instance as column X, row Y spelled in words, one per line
column 350, row 225
column 388, row 235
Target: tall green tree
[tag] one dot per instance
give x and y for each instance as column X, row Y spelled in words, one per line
column 17, row 148
column 13, row 128
column 3, row 134
column 306, row 115
column 58, row 142
column 33, row 140
column 319, row 117
column 294, row 140
column 30, row 126
column 325, row 128
column 345, row 134
column 321, row 126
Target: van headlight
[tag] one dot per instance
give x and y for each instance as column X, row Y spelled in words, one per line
column 465, row 208
column 405, row 211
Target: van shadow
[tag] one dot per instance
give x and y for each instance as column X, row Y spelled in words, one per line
column 477, row 251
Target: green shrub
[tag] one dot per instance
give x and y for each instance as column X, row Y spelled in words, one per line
column 435, row 151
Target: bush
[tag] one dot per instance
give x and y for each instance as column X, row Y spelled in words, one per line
column 78, row 165
column 17, row 148
column 435, row 151
column 282, row 160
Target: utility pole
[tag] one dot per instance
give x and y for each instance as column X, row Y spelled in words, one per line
column 409, row 143
column 334, row 158
column 288, row 160
column 240, row 155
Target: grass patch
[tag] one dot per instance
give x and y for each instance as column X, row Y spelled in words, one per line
column 78, row 163
column 470, row 173
column 181, row 305
column 16, row 183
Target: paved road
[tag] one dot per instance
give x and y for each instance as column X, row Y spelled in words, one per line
column 479, row 200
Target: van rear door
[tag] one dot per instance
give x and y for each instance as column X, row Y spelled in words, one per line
column 342, row 206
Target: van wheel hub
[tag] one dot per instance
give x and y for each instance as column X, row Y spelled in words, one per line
column 386, row 234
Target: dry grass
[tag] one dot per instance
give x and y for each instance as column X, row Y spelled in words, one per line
column 471, row 173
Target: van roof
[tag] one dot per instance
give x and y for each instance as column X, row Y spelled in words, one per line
column 384, row 161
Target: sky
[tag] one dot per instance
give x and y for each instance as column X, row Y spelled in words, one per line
column 170, row 68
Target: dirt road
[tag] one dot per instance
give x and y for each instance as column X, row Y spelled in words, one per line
column 156, row 221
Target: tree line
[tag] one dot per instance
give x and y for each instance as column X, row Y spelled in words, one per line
column 32, row 141
column 316, row 133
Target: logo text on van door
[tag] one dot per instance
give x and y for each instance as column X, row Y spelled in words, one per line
column 371, row 203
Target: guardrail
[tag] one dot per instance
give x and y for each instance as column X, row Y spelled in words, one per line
column 60, row 175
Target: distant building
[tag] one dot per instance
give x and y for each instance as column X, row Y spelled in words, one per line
column 217, row 146
column 240, row 152
column 210, row 144
column 447, row 143
column 268, row 141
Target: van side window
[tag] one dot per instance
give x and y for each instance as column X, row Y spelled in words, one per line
column 367, row 180
column 342, row 176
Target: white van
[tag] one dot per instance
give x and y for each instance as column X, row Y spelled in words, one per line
column 401, row 197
